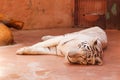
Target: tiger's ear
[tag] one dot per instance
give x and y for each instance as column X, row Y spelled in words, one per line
column 95, row 42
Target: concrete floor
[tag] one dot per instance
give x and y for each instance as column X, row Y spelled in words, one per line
column 48, row 67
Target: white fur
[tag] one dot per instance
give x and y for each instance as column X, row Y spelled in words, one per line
column 63, row 44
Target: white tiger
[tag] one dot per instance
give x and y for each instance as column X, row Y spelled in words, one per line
column 82, row 47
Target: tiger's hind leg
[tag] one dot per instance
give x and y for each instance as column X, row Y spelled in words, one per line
column 45, row 47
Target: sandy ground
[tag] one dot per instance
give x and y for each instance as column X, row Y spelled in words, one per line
column 48, row 67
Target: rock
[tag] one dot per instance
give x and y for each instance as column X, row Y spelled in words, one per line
column 6, row 36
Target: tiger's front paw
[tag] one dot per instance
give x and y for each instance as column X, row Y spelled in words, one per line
column 22, row 51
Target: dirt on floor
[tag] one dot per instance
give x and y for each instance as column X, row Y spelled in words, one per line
column 48, row 67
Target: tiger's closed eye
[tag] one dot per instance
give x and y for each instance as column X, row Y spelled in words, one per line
column 88, row 48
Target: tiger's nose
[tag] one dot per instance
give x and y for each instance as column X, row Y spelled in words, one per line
column 72, row 54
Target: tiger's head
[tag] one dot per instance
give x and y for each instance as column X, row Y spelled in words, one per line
column 87, row 53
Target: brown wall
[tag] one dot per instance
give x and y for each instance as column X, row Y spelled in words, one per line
column 52, row 13
column 92, row 13
column 39, row 13
column 113, row 14
column 111, row 19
